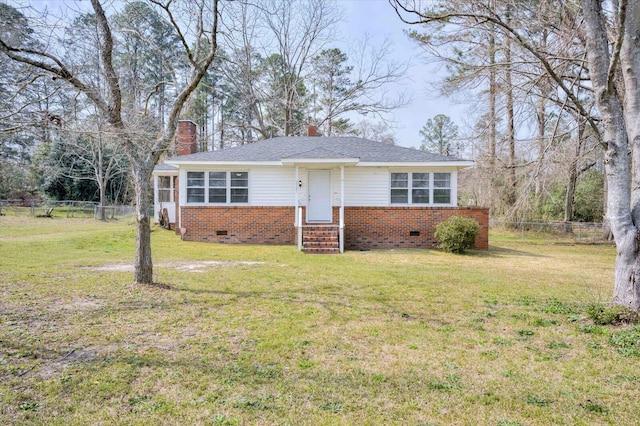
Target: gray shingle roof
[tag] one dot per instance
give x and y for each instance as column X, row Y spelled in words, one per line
column 276, row 149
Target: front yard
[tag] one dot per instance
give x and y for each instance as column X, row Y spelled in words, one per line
column 266, row 335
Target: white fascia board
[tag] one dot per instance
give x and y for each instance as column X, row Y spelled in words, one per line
column 223, row 163
column 165, row 172
column 458, row 164
column 341, row 161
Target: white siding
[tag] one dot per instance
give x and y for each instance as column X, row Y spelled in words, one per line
column 366, row 186
column 272, row 186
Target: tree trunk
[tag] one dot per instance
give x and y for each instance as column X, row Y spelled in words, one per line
column 607, row 235
column 288, row 113
column 493, row 94
column 511, row 133
column 103, row 196
column 568, row 199
column 493, row 91
column 541, row 115
column 102, row 181
column 221, row 124
column 143, row 273
column 626, row 290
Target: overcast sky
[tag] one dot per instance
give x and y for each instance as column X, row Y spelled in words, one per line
column 378, row 19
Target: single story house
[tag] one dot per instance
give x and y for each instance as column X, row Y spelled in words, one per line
column 325, row 194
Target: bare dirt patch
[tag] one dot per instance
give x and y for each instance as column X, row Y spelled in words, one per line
column 81, row 304
column 57, row 366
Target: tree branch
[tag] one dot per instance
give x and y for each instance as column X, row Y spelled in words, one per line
column 114, row 109
column 615, row 57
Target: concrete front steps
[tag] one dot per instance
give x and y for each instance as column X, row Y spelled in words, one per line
column 321, row 239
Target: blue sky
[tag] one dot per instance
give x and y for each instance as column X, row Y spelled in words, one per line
column 378, row 19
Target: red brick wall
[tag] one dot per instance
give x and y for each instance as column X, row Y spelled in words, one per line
column 365, row 227
column 389, row 227
column 243, row 224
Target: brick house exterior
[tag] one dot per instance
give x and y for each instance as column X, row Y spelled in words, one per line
column 325, row 194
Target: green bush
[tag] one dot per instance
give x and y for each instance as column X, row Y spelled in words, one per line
column 457, row 234
column 603, row 314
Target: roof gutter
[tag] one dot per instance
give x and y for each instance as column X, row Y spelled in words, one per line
column 460, row 164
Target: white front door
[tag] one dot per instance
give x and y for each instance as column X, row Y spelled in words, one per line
column 319, row 196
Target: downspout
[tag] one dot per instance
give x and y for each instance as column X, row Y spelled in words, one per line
column 176, row 201
column 342, row 209
column 296, row 202
column 297, row 210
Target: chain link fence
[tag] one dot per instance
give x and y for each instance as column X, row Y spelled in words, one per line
column 113, row 212
column 65, row 208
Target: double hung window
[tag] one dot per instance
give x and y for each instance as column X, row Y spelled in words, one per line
column 217, row 187
column 195, row 187
column 419, row 188
column 399, row 188
column 239, row 188
column 442, row 188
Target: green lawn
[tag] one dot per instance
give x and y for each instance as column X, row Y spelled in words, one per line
column 245, row 335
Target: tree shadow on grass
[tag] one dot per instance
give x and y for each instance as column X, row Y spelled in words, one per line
column 498, row 252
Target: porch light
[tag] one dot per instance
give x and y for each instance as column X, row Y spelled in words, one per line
column 300, row 184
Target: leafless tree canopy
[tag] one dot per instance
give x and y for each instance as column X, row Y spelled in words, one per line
column 86, row 49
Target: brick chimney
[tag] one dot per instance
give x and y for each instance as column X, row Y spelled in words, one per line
column 186, row 140
column 312, row 130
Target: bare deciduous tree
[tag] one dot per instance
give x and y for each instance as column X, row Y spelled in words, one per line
column 613, row 53
column 299, row 30
column 344, row 86
column 376, row 131
column 195, row 24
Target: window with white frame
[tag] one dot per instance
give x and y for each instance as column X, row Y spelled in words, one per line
column 218, row 187
column 195, row 187
column 399, row 188
column 420, row 188
column 441, row 188
column 165, row 188
column 239, row 187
